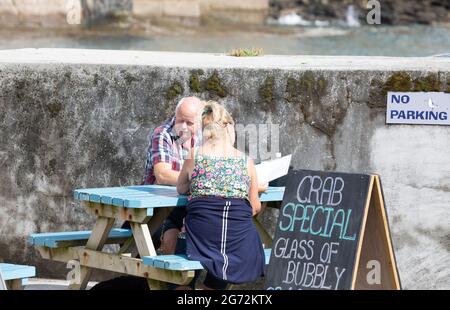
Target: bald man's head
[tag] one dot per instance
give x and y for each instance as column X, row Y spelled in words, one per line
column 187, row 116
column 189, row 103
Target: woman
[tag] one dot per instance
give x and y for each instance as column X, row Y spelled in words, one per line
column 223, row 197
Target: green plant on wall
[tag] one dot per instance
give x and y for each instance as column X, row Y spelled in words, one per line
column 246, row 52
column 174, row 90
column 400, row 81
column 429, row 83
column 267, row 89
column 292, row 91
column 214, row 85
column 194, row 81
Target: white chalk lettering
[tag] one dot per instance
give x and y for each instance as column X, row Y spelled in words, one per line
column 338, row 276
column 313, row 190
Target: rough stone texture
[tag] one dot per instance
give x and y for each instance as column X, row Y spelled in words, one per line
column 81, row 118
column 393, row 12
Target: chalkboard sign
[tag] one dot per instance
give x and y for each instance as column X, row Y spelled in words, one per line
column 332, row 233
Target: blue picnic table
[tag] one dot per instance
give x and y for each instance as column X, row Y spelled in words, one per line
column 145, row 207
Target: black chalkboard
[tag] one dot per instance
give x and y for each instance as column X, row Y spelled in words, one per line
column 318, row 231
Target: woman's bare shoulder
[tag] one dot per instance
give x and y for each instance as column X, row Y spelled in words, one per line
column 248, row 159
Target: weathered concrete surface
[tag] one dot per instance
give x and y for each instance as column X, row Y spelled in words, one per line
column 393, row 12
column 36, row 284
column 81, row 118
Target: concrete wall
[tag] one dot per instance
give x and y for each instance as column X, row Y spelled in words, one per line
column 81, row 118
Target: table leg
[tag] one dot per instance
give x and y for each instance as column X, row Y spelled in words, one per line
column 15, row 284
column 160, row 214
column 143, row 239
column 96, row 242
column 145, row 246
column 128, row 246
column 156, row 285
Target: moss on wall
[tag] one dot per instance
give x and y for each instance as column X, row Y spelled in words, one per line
column 214, row 85
column 428, row 83
column 174, row 90
column 267, row 89
column 194, row 81
column 399, row 81
column 310, row 85
column 402, row 82
column 129, row 78
column 292, row 90
column 313, row 88
column 54, row 108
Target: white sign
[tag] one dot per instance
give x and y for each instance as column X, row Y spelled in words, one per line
column 431, row 108
column 273, row 169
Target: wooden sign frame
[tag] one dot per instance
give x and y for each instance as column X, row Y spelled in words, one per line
column 375, row 244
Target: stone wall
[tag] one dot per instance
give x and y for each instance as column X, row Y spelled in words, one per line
column 81, row 118
column 393, row 12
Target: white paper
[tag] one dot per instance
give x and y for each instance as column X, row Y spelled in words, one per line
column 272, row 169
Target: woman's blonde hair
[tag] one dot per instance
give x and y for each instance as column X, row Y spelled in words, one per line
column 215, row 119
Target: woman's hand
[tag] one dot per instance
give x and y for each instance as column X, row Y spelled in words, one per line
column 262, row 187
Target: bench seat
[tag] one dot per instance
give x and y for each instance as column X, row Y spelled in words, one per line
column 180, row 262
column 74, row 238
column 14, row 272
column 15, row 276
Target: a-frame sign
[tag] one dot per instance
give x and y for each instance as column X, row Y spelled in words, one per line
column 332, row 233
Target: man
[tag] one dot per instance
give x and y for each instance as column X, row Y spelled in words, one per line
column 169, row 145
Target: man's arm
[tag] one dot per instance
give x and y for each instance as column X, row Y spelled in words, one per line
column 160, row 155
column 164, row 174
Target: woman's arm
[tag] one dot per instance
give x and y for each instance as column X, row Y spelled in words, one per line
column 184, row 181
column 263, row 188
column 253, row 192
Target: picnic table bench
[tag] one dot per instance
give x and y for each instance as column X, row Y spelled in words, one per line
column 14, row 276
column 145, row 207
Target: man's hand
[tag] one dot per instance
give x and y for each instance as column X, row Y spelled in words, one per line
column 189, row 145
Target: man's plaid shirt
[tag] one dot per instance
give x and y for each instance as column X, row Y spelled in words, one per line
column 162, row 148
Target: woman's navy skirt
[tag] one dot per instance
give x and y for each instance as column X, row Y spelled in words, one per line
column 221, row 235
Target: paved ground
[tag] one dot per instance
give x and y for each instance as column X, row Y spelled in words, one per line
column 50, row 284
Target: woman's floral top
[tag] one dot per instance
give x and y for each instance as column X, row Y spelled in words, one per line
column 220, row 176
